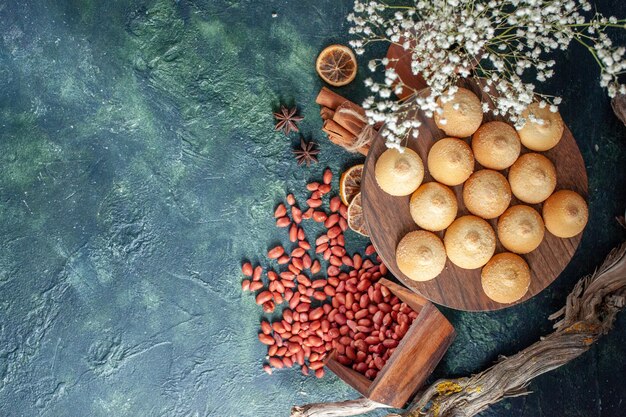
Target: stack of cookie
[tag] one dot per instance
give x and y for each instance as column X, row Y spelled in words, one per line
column 487, row 161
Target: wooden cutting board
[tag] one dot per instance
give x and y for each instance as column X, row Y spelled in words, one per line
column 388, row 219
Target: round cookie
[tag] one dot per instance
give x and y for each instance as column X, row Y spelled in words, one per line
column 543, row 129
column 420, row 255
column 460, row 116
column 433, row 206
column 399, row 173
column 486, row 194
column 532, row 178
column 565, row 213
column 470, row 242
column 450, row 161
column 505, row 278
column 496, row 145
column 521, row 229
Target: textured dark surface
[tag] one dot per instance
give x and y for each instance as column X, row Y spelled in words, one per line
column 139, row 166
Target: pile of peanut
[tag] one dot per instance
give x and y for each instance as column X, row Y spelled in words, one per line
column 346, row 310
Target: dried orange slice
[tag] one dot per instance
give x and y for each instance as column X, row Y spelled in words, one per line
column 350, row 183
column 336, row 65
column 356, row 221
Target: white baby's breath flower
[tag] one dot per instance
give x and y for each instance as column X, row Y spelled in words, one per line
column 503, row 41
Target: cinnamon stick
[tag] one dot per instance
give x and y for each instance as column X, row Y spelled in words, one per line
column 335, row 129
column 334, row 139
column 330, row 99
column 344, row 120
column 342, row 137
column 326, row 113
column 351, row 117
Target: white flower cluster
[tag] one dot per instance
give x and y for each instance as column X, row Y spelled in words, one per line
column 502, row 41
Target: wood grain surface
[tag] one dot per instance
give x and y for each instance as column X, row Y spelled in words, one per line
column 400, row 60
column 388, row 219
column 415, row 358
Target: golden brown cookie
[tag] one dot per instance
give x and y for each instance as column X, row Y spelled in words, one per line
column 461, row 116
column 521, row 229
column 399, row 173
column 544, row 132
column 565, row 213
column 496, row 145
column 433, row 206
column 486, row 194
column 532, row 178
column 450, row 161
column 420, row 255
column 470, row 242
column 505, row 278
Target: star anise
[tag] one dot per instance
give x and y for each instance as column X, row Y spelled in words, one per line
column 306, row 153
column 287, row 119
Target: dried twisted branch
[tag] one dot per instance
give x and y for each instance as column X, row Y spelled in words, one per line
column 588, row 314
column 338, row 409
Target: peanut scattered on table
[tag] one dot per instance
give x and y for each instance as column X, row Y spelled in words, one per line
column 346, row 310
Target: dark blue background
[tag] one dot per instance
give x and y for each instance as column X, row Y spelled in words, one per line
column 139, row 166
